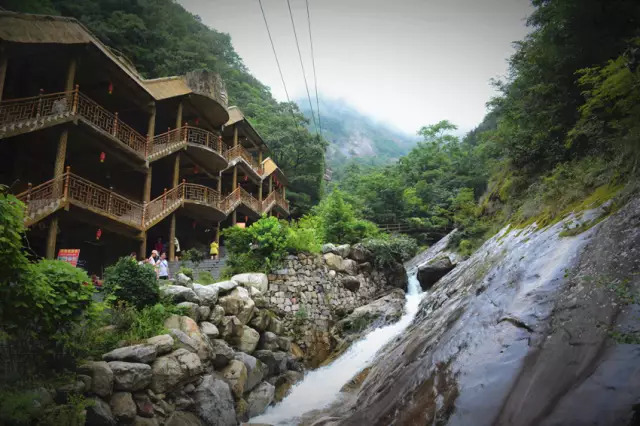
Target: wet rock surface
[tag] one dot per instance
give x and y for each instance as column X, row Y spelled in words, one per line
column 533, row 329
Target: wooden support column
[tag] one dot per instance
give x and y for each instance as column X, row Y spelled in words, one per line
column 61, row 156
column 234, row 218
column 260, row 156
column 270, row 184
column 220, row 184
column 3, row 70
column 260, row 192
column 235, row 135
column 179, row 116
column 172, row 227
column 218, row 235
column 234, row 182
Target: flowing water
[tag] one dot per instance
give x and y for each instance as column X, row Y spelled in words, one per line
column 321, row 387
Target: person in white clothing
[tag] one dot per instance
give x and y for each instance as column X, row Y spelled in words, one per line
column 153, row 260
column 162, row 267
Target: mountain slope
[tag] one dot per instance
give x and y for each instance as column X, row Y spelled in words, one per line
column 352, row 134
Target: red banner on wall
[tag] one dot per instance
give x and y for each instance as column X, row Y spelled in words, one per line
column 69, row 255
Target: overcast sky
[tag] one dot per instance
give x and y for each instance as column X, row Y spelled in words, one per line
column 407, row 62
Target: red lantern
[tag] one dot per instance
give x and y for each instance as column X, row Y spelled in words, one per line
column 103, row 156
column 98, row 234
column 195, row 170
column 246, row 219
column 110, row 90
column 246, row 178
column 197, row 121
column 193, row 225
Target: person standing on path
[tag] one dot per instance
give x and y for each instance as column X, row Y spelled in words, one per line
column 213, row 251
column 162, row 267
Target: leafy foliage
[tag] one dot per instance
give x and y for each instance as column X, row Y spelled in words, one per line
column 339, row 222
column 305, row 235
column 205, row 277
column 390, row 250
column 194, row 255
column 132, row 283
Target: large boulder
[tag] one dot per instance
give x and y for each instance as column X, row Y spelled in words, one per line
column 189, row 327
column 209, row 330
column 342, row 250
column 333, row 261
column 256, row 370
column 99, row 413
column 260, row 398
column 328, row 248
column 230, row 327
column 179, row 293
column 349, row 266
column 183, row 418
column 269, row 341
column 130, row 376
column 183, row 280
column 256, row 280
column 136, row 353
column 350, row 283
column 236, row 375
column 208, row 294
column 261, row 319
column 190, row 309
column 432, row 271
column 276, row 326
column 216, row 315
column 222, row 353
column 248, row 342
column 239, row 304
column 284, row 343
column 284, row 382
column 101, row 377
column 177, row 368
column 214, row 402
column 225, row 286
column 359, row 253
column 396, row 276
column 163, row 343
column 123, row 407
column 276, row 362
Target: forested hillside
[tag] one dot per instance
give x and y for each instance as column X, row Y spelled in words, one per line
column 161, row 38
column 563, row 133
column 354, row 136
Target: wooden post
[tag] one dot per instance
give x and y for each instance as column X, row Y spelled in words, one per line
column 176, row 170
column 51, row 238
column 164, row 199
column 234, row 182
column 3, row 70
column 179, row 116
column 270, row 184
column 260, row 193
column 146, row 195
column 233, row 218
column 172, row 238
column 143, row 246
column 235, row 135
column 76, row 96
column 151, row 128
column 218, row 235
column 220, row 183
column 260, row 157
column 71, row 75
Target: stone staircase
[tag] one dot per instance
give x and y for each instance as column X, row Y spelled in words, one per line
column 214, row 267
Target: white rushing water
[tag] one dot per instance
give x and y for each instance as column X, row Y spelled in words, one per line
column 321, row 387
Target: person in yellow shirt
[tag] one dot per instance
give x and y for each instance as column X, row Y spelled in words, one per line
column 213, row 251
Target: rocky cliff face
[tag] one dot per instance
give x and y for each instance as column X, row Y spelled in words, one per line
column 534, row 329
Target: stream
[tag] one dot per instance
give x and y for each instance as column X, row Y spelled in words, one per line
column 321, row 387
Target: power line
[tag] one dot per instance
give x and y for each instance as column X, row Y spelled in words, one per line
column 304, row 75
column 273, row 47
column 313, row 61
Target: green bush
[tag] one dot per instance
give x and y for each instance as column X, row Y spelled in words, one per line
column 205, row 277
column 194, row 255
column 132, row 283
column 339, row 223
column 305, row 235
column 390, row 249
column 22, row 407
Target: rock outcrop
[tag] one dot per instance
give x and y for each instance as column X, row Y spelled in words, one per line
column 430, row 272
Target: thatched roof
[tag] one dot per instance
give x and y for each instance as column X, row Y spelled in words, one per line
column 167, row 87
column 236, row 116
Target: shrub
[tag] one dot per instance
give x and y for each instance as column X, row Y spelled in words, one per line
column 205, row 277
column 132, row 283
column 390, row 249
column 194, row 255
column 305, row 235
column 339, row 221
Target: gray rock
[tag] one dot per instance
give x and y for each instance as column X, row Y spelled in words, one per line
column 349, row 266
column 256, row 370
column 284, row 343
column 130, row 376
column 328, row 248
column 221, row 353
column 225, row 286
column 101, row 377
column 333, row 261
column 342, row 250
column 432, row 271
column 359, row 253
column 177, row 368
column 143, row 404
column 99, row 413
column 203, row 312
column 183, row 341
column 178, row 293
column 136, row 353
column 260, row 398
column 209, row 330
column 143, row 421
column 217, row 313
column 235, row 373
column 248, row 342
column 350, row 283
column 123, row 407
column 269, row 341
column 183, row 418
column 214, row 402
column 183, row 280
column 189, row 327
column 190, row 309
column 230, row 327
column 208, row 294
column 261, row 319
column 276, row 362
column 256, row 280
column 163, row 343
column 239, row 304
column 276, row 326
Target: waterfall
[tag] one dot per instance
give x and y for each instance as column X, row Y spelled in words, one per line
column 322, row 386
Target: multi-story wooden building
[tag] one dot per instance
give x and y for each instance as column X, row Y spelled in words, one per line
column 107, row 162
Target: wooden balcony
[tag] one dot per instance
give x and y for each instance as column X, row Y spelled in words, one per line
column 275, row 199
column 28, row 114
column 206, row 145
column 239, row 154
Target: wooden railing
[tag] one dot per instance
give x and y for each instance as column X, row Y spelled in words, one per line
column 166, row 143
column 240, row 152
column 158, row 208
column 281, row 201
column 70, row 188
column 35, row 110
